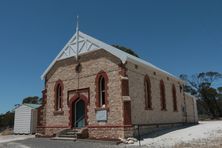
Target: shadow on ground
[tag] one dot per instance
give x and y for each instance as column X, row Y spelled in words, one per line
column 164, row 130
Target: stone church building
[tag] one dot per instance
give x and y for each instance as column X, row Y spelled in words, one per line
column 94, row 86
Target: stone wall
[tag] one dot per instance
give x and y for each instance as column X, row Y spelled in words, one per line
column 125, row 84
column 191, row 108
column 110, row 132
column 91, row 64
column 136, row 74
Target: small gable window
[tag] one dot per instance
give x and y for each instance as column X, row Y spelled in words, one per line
column 162, row 95
column 174, row 93
column 147, row 90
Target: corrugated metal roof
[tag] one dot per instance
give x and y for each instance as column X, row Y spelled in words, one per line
column 88, row 43
column 34, row 106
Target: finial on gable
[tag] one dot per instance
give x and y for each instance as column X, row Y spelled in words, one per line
column 77, row 38
column 77, row 24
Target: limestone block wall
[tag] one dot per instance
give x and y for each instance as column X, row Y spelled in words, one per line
column 91, row 64
column 136, row 74
column 191, row 108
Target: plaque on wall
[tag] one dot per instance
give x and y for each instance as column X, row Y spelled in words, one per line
column 101, row 115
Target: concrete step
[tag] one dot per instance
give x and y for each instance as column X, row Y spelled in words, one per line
column 71, row 132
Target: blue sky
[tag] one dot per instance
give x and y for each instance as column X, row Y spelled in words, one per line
column 178, row 36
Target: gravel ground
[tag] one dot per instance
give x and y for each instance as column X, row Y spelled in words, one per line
column 206, row 132
column 10, row 138
column 48, row 143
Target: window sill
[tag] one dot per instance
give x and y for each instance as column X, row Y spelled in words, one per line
column 102, row 108
column 149, row 108
column 58, row 113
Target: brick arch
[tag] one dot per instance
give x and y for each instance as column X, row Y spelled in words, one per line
column 73, row 100
column 105, row 76
column 58, row 83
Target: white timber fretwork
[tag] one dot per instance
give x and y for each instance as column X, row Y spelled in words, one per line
column 71, row 49
column 82, row 43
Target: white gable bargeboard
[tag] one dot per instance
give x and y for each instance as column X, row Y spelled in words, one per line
column 87, row 43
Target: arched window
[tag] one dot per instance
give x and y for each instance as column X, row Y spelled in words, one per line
column 58, row 95
column 147, row 90
column 174, row 98
column 101, row 89
column 162, row 95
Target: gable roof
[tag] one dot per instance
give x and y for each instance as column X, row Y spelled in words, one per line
column 87, row 43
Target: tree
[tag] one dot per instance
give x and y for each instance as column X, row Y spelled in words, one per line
column 202, row 86
column 7, row 120
column 31, row 100
column 128, row 50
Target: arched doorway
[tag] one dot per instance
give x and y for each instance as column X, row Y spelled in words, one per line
column 78, row 113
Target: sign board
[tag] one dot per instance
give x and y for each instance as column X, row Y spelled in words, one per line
column 101, row 115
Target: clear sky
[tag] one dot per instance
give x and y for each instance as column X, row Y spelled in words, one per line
column 177, row 36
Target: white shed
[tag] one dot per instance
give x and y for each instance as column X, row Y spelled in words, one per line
column 25, row 120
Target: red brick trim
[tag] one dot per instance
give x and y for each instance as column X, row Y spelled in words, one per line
column 109, row 126
column 174, row 92
column 55, row 113
column 105, row 76
column 58, row 83
column 73, row 100
column 54, row 126
column 78, row 91
column 147, row 92
column 127, row 113
column 162, row 96
column 98, row 109
column 40, row 109
column 125, row 87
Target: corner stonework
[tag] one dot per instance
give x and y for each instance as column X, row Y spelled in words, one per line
column 127, row 121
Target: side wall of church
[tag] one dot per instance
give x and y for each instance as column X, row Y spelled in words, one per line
column 155, row 115
column 191, row 108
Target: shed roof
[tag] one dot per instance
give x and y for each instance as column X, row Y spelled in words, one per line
column 87, row 43
column 33, row 106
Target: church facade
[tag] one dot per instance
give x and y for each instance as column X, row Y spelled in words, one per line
column 98, row 87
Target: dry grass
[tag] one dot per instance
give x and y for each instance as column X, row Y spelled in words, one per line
column 7, row 131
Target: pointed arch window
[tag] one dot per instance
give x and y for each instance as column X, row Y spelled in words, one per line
column 174, row 93
column 101, row 89
column 162, row 95
column 147, row 90
column 58, row 95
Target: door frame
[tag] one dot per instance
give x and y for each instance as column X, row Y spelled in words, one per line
column 71, row 108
